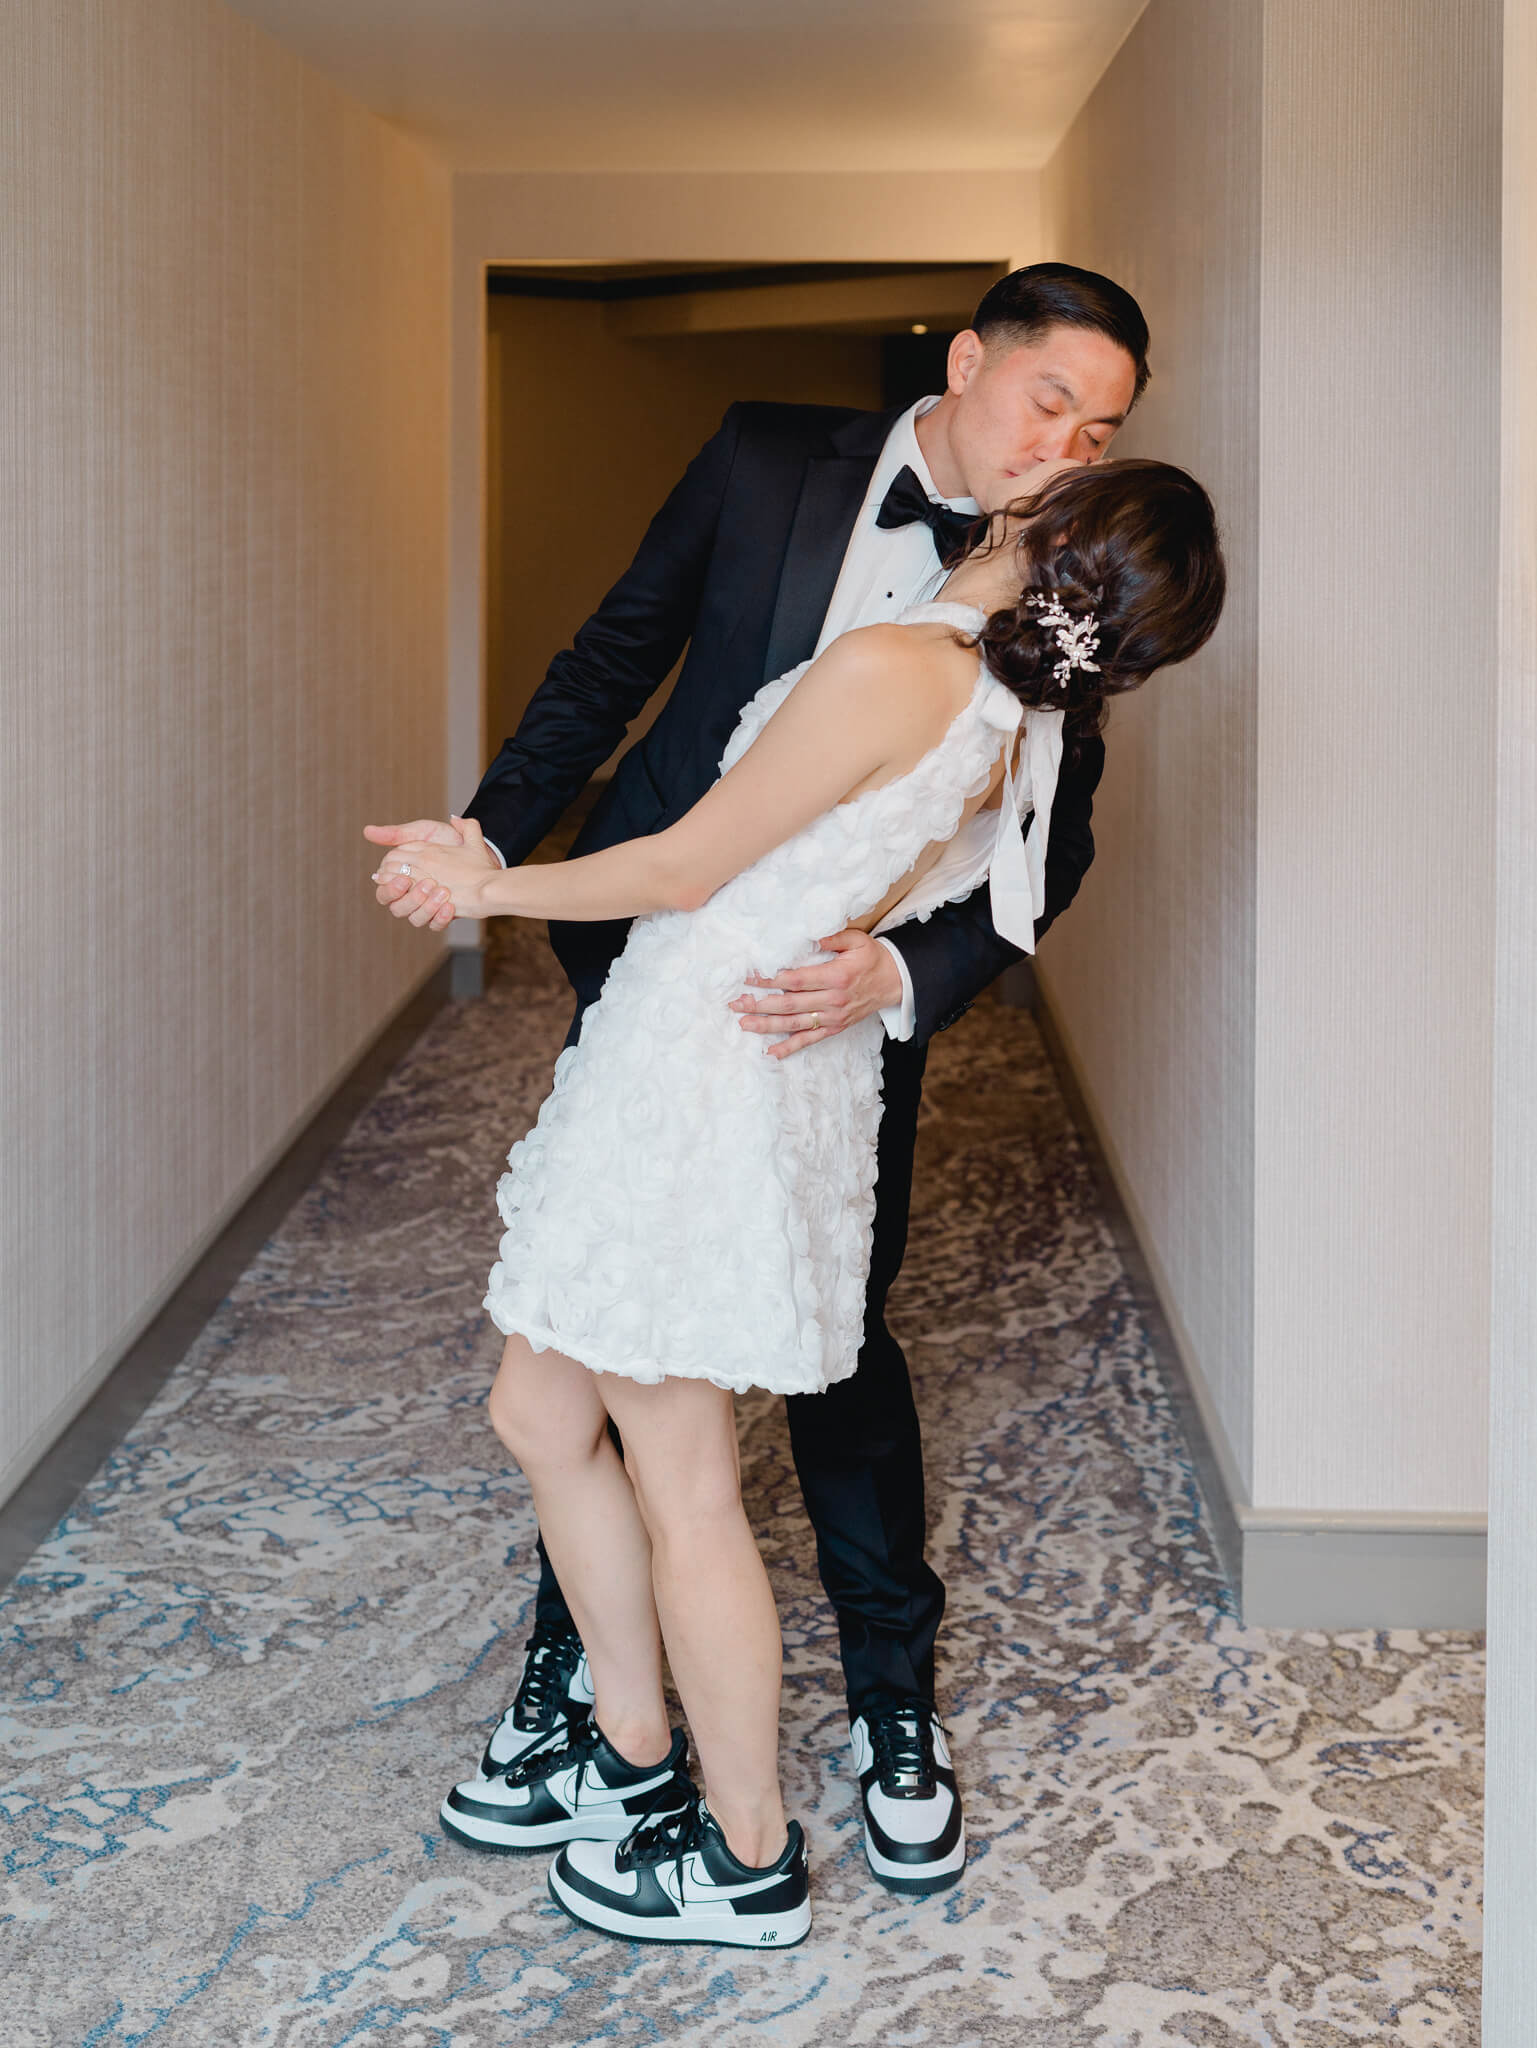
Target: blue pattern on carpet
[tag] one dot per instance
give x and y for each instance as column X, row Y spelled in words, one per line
column 244, row 1669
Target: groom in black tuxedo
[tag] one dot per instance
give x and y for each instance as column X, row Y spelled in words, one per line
column 794, row 523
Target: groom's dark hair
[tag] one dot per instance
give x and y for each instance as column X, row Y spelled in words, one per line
column 1021, row 308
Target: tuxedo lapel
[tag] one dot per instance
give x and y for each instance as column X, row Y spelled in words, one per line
column 832, row 490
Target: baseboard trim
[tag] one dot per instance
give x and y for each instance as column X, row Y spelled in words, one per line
column 466, row 973
column 1288, row 1568
column 61, row 1457
column 1349, row 1572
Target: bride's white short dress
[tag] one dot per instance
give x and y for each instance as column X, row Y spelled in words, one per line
column 685, row 1205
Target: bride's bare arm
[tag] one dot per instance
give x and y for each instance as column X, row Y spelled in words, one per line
column 876, row 698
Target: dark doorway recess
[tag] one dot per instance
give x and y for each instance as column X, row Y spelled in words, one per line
column 603, row 381
column 613, row 281
column 912, row 365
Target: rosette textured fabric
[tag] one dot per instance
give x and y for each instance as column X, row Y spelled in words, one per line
column 686, row 1206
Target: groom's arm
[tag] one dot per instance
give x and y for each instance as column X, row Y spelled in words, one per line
column 956, row 953
column 597, row 686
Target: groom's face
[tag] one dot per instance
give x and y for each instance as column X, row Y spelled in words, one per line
column 1016, row 406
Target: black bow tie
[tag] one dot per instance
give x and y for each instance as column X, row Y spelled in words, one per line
column 907, row 503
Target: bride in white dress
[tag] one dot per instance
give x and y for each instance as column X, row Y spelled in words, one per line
column 689, row 1218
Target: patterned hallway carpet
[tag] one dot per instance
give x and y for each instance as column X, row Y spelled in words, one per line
column 240, row 1675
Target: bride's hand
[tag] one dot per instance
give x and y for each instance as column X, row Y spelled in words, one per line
column 445, row 881
column 400, row 896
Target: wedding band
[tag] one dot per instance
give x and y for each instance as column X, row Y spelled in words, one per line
column 816, row 1020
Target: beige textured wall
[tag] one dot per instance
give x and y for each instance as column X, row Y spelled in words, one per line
column 1376, row 753
column 602, row 427
column 1278, row 978
column 743, row 216
column 222, row 638
column 1510, row 1976
column 1152, row 972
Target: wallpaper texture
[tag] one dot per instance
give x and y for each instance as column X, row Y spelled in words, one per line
column 1379, row 467
column 222, row 638
column 1277, row 982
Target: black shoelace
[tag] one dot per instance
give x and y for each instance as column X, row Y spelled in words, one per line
column 668, row 1839
column 568, row 1742
column 903, row 1742
column 552, row 1657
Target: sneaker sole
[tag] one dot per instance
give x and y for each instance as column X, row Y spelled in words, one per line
column 715, row 1930
column 917, row 1880
column 508, row 1841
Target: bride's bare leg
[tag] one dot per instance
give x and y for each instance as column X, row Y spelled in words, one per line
column 713, row 1595
column 549, row 1413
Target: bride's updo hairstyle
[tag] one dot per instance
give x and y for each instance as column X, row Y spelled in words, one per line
column 1132, row 544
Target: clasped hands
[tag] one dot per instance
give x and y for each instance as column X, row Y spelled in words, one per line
column 434, row 872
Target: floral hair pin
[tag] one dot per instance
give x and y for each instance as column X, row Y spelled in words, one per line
column 1077, row 639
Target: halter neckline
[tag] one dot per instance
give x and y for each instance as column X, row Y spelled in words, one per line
column 970, row 615
column 1015, row 864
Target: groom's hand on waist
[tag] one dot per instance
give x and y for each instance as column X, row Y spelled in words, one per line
column 811, row 1003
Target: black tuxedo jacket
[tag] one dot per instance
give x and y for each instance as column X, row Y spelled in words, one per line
column 739, row 566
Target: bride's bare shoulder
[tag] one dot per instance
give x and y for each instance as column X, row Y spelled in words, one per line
column 904, row 661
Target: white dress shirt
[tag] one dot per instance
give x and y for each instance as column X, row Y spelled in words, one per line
column 885, row 569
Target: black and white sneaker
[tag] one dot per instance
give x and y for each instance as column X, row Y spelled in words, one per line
column 674, row 1879
column 574, row 1786
column 915, row 1836
column 556, row 1686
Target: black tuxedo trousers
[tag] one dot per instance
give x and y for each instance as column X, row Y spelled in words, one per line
column 858, row 1451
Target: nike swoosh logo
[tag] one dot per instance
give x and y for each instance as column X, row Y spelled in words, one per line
column 595, row 1793
column 702, row 1881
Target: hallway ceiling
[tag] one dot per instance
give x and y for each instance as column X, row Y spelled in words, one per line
column 717, row 85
